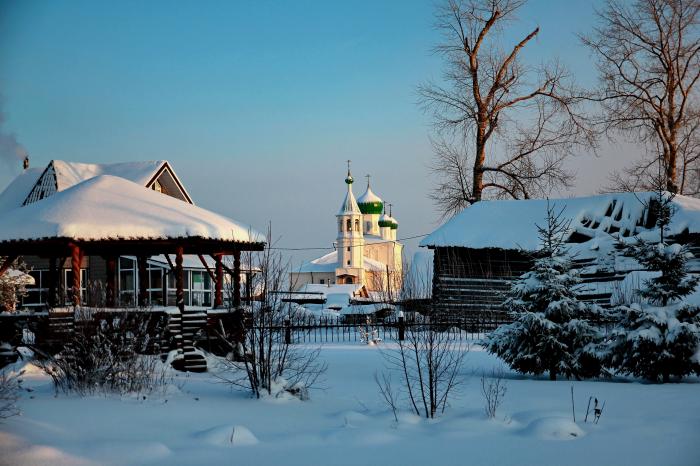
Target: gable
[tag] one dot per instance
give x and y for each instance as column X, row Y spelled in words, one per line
column 44, row 187
column 60, row 175
column 166, row 181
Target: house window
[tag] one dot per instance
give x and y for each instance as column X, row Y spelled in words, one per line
column 68, row 285
column 157, row 186
column 127, row 281
column 37, row 294
column 201, row 288
column 322, row 282
column 155, row 285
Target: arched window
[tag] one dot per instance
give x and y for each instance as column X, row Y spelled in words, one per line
column 348, row 280
column 349, row 225
column 357, row 225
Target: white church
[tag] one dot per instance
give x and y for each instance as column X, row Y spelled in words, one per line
column 367, row 253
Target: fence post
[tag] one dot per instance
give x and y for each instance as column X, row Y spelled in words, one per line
column 287, row 331
column 402, row 326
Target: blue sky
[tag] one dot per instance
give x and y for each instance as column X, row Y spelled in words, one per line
column 256, row 104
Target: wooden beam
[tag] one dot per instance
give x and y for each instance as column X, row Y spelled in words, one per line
column 179, row 280
column 237, row 279
column 206, row 266
column 125, row 247
column 76, row 257
column 219, row 283
column 7, row 264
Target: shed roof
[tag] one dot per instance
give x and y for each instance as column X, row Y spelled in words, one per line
column 512, row 224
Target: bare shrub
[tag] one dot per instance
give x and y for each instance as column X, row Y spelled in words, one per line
column 387, row 391
column 107, row 353
column 10, row 384
column 262, row 360
column 430, row 358
column 493, row 388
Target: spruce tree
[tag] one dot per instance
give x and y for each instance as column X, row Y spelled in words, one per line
column 551, row 331
column 659, row 337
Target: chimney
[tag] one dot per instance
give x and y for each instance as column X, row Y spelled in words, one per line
column 25, row 162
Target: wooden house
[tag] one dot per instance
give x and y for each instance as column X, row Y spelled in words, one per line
column 479, row 252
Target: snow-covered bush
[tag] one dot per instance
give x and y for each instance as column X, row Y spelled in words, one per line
column 12, row 287
column 10, row 384
column 660, row 336
column 106, row 353
column 551, row 331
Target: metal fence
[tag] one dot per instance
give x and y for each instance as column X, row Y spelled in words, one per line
column 357, row 329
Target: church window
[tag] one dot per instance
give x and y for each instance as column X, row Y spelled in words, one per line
column 349, row 225
column 357, row 225
column 348, row 262
column 348, row 248
column 369, row 226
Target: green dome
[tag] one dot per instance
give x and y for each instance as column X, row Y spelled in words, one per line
column 371, row 207
column 385, row 223
column 370, row 203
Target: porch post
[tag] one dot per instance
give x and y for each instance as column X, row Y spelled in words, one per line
column 236, row 279
column 75, row 261
column 179, row 280
column 111, row 297
column 53, row 282
column 142, row 264
column 219, row 283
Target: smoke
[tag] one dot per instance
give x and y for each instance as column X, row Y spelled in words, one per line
column 11, row 152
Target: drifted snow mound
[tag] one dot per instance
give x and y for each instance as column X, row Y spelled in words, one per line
column 553, row 428
column 227, row 435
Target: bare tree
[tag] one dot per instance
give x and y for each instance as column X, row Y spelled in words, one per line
column 504, row 128
column 269, row 363
column 647, row 55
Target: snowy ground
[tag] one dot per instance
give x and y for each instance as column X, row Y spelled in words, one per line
column 348, row 424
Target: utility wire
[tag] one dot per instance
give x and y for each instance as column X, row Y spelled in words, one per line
column 354, row 246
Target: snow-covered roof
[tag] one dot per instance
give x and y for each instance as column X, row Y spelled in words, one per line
column 71, row 173
column 349, row 205
column 329, row 263
column 369, row 197
column 111, row 207
column 511, row 224
column 17, row 191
